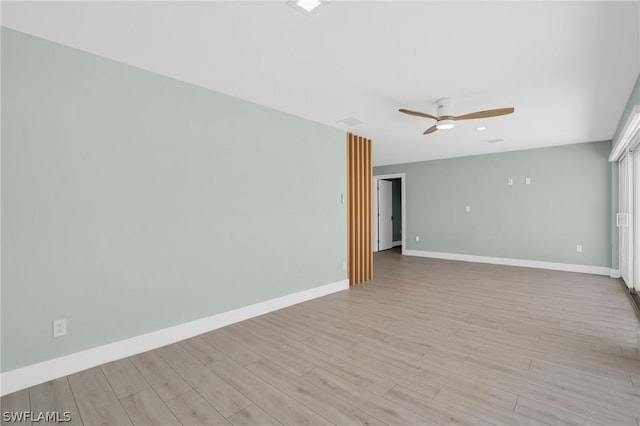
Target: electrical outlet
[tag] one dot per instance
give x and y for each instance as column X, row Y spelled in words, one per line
column 509, row 182
column 579, row 248
column 467, row 209
column 417, row 238
column 527, row 181
column 59, row 327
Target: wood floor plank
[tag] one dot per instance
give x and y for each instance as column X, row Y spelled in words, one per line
column 192, row 410
column 562, row 374
column 271, row 351
column 333, row 409
column 274, row 327
column 346, row 370
column 253, row 416
column 445, row 352
column 383, row 409
column 55, row 396
column 145, row 408
column 212, row 388
column 124, row 378
column 511, row 359
column 420, row 380
column 479, row 406
column 223, row 341
column 491, row 394
column 15, row 404
column 97, row 402
column 162, row 378
column 408, row 345
column 278, row 404
column 549, row 415
column 201, row 350
column 435, row 410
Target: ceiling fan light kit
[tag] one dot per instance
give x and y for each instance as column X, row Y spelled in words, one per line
column 445, row 124
column 445, row 118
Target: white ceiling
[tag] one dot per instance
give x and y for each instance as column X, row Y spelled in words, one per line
column 567, row 67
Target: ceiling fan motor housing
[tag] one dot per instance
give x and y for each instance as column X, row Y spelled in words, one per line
column 445, row 113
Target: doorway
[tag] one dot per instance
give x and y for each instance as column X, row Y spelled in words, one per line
column 389, row 211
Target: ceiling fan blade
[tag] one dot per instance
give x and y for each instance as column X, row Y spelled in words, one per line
column 430, row 130
column 418, row 113
column 485, row 114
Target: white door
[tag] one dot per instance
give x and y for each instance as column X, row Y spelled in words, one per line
column 623, row 220
column 385, row 212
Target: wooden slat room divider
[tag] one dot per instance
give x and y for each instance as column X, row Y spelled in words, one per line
column 359, row 207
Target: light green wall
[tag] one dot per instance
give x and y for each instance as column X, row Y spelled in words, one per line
column 567, row 203
column 132, row 202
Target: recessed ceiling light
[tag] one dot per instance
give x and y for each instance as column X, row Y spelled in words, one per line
column 307, row 6
column 481, row 128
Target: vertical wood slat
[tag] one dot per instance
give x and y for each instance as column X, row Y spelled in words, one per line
column 356, row 209
column 367, row 212
column 356, row 163
column 359, row 209
column 349, row 205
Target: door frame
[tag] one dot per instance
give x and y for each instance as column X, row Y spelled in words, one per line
column 374, row 207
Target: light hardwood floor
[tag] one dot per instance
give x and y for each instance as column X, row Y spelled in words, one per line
column 426, row 342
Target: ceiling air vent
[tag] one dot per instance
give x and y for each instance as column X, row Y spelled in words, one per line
column 494, row 140
column 350, row 122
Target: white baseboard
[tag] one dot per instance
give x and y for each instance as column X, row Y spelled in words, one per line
column 568, row 267
column 21, row 378
column 397, row 243
column 615, row 273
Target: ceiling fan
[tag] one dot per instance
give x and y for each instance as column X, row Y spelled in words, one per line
column 446, row 120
